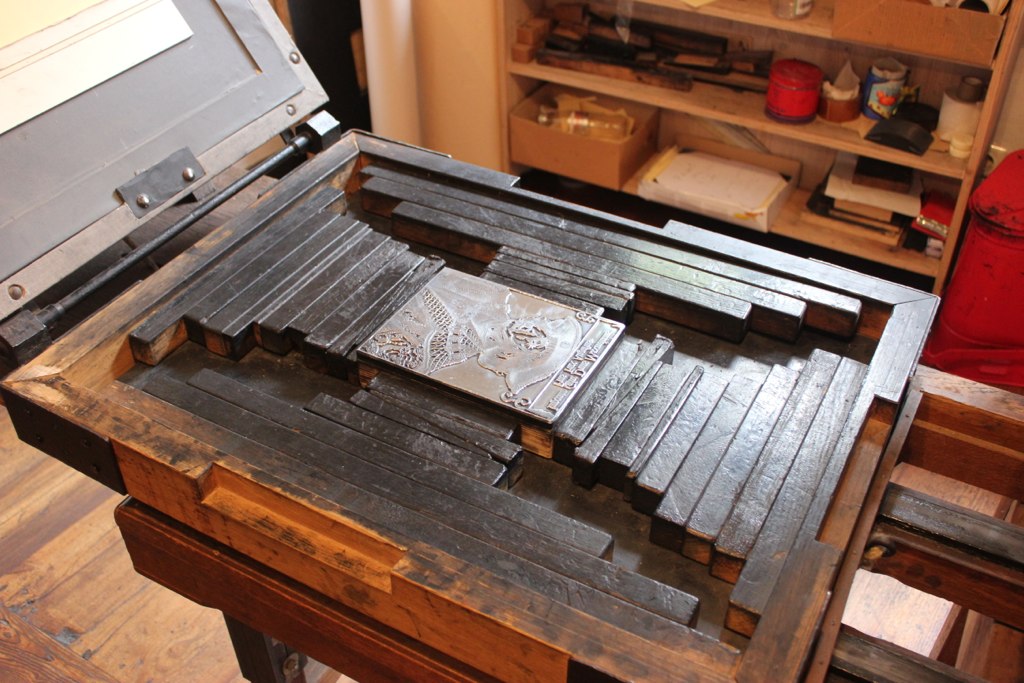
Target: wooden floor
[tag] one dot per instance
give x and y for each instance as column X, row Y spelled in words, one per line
column 72, row 607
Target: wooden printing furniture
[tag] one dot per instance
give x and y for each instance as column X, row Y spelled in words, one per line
column 984, row 421
column 422, row 563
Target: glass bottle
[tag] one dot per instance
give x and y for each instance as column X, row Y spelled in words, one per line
column 791, row 9
column 591, row 124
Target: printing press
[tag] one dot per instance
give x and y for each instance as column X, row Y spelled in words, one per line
column 421, row 423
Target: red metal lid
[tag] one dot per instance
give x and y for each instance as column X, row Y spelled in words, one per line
column 1000, row 197
column 795, row 73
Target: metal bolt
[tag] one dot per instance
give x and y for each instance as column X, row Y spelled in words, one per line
column 143, row 201
column 290, row 109
column 189, row 174
column 877, row 551
column 16, row 292
column 291, row 667
column 295, row 57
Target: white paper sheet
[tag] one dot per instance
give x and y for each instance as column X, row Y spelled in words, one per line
column 841, row 186
column 47, row 68
column 703, row 176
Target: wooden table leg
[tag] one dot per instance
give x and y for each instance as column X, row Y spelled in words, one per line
column 263, row 659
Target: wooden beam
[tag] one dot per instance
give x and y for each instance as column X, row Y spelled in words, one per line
column 825, row 310
column 947, row 451
column 968, row 431
column 781, row 647
column 953, row 524
column 174, row 555
column 977, row 409
column 859, row 657
column 967, row 578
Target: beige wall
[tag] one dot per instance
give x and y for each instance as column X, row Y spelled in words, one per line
column 1009, row 135
column 389, row 41
column 459, row 68
column 434, row 70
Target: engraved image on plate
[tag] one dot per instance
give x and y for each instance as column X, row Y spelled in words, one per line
column 492, row 342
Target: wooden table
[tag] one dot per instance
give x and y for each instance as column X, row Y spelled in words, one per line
column 315, row 531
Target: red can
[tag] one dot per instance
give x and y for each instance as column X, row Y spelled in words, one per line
column 794, row 88
column 980, row 330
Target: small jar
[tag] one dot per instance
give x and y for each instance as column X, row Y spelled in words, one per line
column 791, row 9
column 960, row 145
column 794, row 88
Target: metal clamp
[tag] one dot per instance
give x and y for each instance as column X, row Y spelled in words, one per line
column 154, row 186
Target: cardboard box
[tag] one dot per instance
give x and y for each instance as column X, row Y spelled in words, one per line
column 946, row 32
column 744, row 204
column 608, row 163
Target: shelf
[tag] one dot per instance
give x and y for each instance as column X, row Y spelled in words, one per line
column 818, row 24
column 789, row 224
column 810, row 37
column 759, row 13
column 744, row 109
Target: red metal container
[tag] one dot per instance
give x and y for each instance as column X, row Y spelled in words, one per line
column 794, row 88
column 980, row 330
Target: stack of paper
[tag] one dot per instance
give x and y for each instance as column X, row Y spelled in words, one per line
column 738, row 192
column 841, row 186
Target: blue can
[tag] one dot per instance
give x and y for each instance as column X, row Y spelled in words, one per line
column 883, row 88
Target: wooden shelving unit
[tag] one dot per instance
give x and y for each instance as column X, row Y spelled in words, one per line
column 790, row 223
column 818, row 23
column 747, row 110
column 744, row 109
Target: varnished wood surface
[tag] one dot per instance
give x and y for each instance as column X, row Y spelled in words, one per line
column 628, row 364
column 709, row 514
column 161, row 333
column 493, row 535
column 764, row 563
column 693, row 446
column 771, row 313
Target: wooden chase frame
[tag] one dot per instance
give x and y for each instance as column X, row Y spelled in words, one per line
column 292, row 517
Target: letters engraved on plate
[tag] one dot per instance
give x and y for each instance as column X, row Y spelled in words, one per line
column 498, row 344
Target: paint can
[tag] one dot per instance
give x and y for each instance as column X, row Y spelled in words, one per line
column 883, row 87
column 794, row 87
column 979, row 333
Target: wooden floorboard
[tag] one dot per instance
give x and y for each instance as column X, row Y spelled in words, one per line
column 72, row 607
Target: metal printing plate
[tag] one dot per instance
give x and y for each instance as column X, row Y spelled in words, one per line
column 498, row 344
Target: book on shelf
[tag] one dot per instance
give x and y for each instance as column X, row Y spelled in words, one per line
column 863, row 210
column 841, row 185
column 936, row 215
column 823, row 211
column 884, row 175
